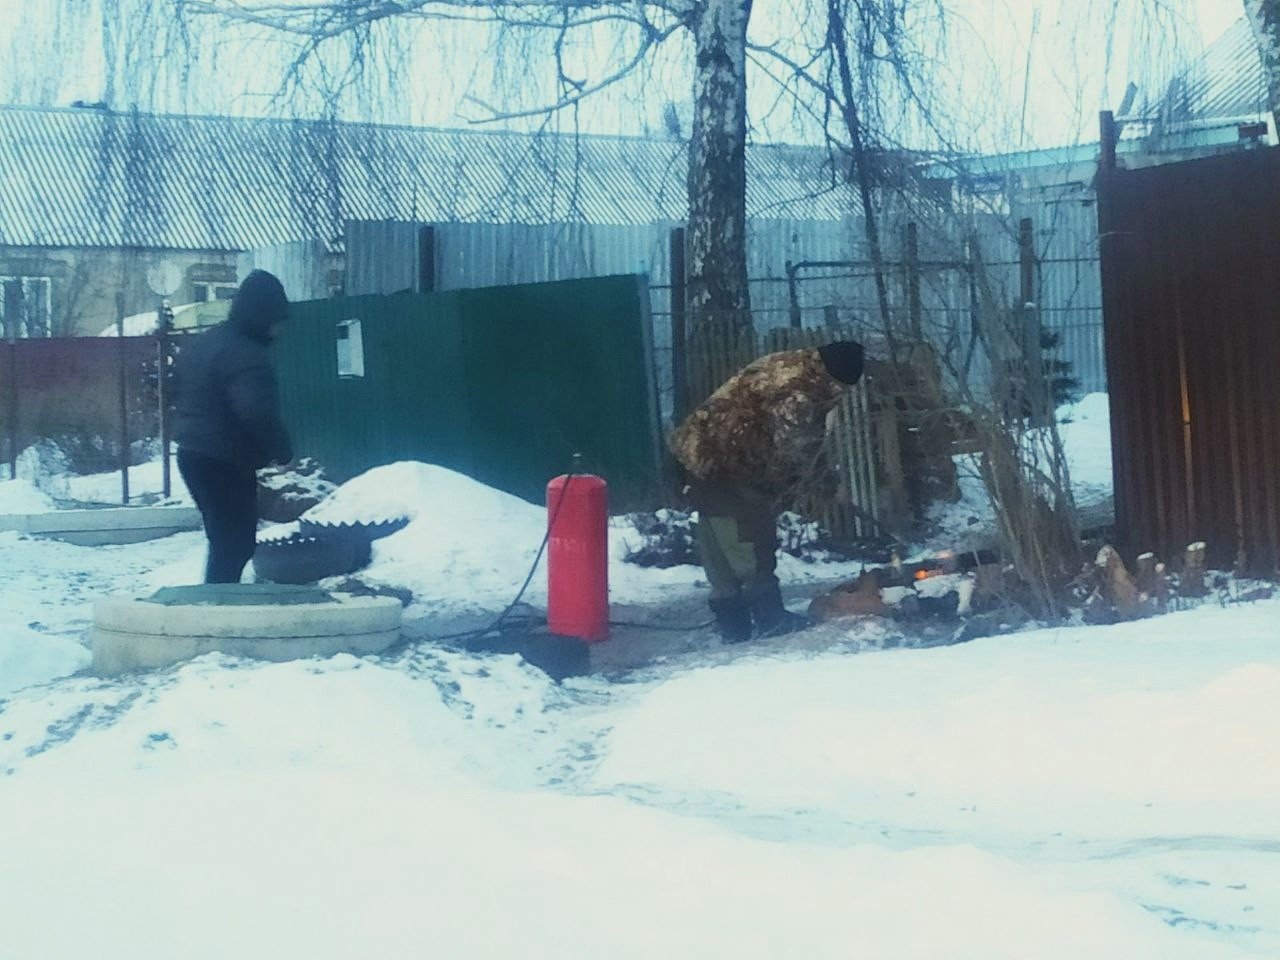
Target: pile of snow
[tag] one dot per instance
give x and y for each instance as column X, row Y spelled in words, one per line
column 431, row 495
column 23, row 496
column 43, row 465
column 466, row 545
column 28, row 658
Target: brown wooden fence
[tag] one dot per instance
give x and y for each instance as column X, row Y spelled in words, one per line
column 1191, row 295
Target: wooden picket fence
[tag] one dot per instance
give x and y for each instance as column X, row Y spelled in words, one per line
column 862, row 434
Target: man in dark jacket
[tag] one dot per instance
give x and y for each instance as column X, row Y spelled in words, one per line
column 228, row 422
column 746, row 451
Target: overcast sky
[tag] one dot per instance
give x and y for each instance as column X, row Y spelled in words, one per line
column 1011, row 74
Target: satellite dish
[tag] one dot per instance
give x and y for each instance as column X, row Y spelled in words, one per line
column 164, row 278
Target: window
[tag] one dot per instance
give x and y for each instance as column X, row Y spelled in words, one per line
column 26, row 308
column 350, row 349
column 209, row 292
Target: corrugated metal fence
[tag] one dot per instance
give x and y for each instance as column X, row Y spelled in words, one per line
column 503, row 384
column 385, row 257
column 1192, row 305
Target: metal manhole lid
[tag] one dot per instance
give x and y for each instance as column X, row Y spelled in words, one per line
column 240, row 595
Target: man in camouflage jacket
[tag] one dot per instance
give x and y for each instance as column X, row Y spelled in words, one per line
column 746, row 450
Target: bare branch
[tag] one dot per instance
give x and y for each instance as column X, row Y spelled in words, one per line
column 580, row 89
column 323, row 21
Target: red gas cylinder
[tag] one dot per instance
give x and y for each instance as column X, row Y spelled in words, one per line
column 578, row 557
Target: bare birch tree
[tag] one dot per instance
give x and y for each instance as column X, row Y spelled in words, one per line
column 718, row 294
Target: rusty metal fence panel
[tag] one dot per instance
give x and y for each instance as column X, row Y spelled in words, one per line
column 1191, row 292
column 94, row 398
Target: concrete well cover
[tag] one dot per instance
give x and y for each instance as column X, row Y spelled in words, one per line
column 271, row 624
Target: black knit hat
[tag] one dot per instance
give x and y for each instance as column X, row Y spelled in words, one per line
column 843, row 360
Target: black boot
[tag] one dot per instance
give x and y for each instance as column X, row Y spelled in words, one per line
column 771, row 618
column 733, row 619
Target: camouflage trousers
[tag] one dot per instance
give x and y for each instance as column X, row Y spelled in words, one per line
column 738, row 539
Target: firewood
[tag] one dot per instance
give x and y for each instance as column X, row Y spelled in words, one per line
column 1160, row 593
column 1192, row 581
column 1118, row 585
column 859, row 599
column 1145, row 574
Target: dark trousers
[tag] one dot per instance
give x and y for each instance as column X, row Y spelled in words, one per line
column 227, row 495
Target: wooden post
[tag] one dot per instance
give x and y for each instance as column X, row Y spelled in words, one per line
column 793, row 295
column 13, row 307
column 162, row 392
column 122, row 354
column 1026, row 260
column 916, row 311
column 1110, row 138
column 975, row 303
column 679, row 329
column 13, row 407
column 1029, row 312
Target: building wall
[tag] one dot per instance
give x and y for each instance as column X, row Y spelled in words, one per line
column 82, row 283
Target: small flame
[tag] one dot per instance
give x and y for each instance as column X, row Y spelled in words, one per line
column 926, row 574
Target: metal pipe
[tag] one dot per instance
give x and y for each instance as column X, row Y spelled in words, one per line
column 124, row 401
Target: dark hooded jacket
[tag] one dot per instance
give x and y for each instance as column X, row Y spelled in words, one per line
column 224, row 385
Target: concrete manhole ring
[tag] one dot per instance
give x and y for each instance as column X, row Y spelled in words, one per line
column 140, row 633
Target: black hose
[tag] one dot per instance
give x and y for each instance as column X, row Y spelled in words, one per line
column 496, row 626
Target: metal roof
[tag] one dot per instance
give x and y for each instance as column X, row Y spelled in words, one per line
column 1228, row 82
column 1225, row 86
column 93, row 178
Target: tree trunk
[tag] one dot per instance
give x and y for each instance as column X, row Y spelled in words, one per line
column 719, row 303
column 1264, row 16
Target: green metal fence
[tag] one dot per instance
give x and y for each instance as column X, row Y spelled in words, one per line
column 504, row 384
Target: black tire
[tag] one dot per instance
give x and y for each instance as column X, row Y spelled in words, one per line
column 355, row 532
column 300, row 559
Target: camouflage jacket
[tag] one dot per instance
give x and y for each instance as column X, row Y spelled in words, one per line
column 764, row 428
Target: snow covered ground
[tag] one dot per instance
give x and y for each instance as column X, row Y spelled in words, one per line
column 1110, row 792
column 43, row 483
column 1104, row 792
column 146, row 482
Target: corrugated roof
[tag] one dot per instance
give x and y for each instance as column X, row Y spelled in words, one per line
column 1229, row 81
column 1226, row 85
column 88, row 177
